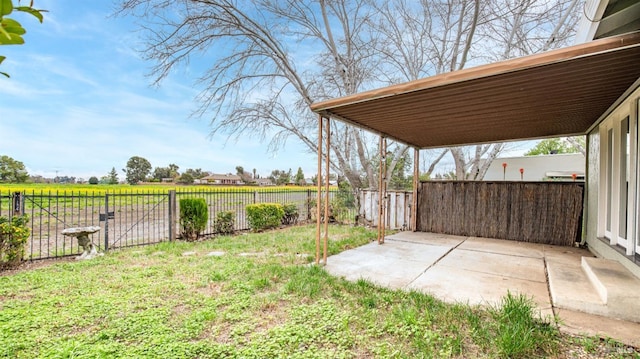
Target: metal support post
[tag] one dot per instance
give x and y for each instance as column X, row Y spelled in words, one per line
column 319, row 189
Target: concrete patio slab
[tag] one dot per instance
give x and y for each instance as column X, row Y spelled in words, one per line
column 502, row 246
column 480, row 271
column 566, row 255
column 434, row 239
column 398, row 250
column 525, row 268
column 580, row 323
column 392, row 265
column 458, row 285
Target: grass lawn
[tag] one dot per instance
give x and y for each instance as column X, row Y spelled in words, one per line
column 259, row 299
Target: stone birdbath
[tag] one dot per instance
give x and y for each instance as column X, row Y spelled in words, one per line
column 82, row 233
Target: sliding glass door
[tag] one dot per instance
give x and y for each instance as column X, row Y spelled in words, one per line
column 618, row 178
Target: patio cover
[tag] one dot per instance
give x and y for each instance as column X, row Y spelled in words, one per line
column 556, row 93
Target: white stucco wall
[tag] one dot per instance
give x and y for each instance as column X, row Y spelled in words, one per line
column 535, row 167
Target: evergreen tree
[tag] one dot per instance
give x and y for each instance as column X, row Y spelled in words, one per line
column 112, row 177
column 299, row 178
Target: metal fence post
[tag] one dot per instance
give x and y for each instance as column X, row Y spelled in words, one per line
column 17, row 204
column 172, row 215
column 308, row 204
column 106, row 222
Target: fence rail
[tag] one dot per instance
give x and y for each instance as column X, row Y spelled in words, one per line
column 136, row 218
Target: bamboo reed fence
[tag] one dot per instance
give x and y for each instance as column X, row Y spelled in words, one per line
column 537, row 212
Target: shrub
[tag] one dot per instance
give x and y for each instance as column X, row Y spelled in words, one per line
column 186, row 179
column 224, row 223
column 344, row 203
column 193, row 217
column 345, row 195
column 13, row 238
column 93, row 180
column 290, row 214
column 313, row 209
column 263, row 216
column 339, row 212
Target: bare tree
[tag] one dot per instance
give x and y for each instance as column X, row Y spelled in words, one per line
column 579, row 143
column 501, row 31
column 517, row 28
column 271, row 59
column 279, row 57
column 428, row 38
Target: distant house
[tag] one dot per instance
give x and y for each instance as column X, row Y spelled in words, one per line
column 263, row 182
column 559, row 167
column 222, row 179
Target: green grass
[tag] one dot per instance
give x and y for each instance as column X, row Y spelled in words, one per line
column 519, row 333
column 261, row 299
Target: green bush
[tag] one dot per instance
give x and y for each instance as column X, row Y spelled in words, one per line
column 290, row 214
column 14, row 234
column 225, row 222
column 193, row 217
column 345, row 195
column 263, row 216
column 313, row 209
column 344, row 204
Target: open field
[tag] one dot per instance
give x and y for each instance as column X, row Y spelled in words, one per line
column 80, row 195
column 101, row 189
column 253, row 296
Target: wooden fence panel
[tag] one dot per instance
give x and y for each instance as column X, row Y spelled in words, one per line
column 538, row 212
column 397, row 204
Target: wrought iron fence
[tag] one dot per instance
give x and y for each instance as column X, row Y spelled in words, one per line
column 235, row 200
column 5, row 204
column 139, row 218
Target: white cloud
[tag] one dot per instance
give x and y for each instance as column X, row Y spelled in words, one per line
column 78, row 104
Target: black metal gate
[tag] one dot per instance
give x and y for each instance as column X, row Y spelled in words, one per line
column 49, row 214
column 126, row 219
column 133, row 219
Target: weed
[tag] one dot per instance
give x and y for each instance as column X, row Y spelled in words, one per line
column 519, row 333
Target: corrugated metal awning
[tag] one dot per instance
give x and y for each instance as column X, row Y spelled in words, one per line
column 556, row 93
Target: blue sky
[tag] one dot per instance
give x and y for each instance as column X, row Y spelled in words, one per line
column 78, row 103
